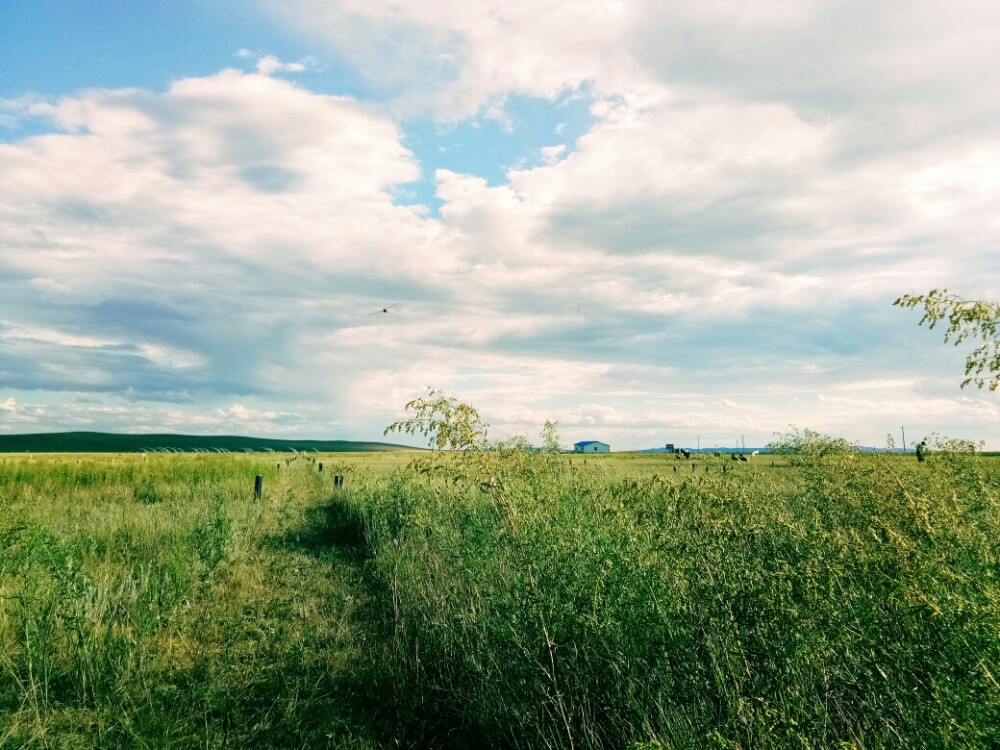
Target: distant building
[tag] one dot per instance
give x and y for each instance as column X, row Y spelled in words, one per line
column 591, row 446
column 669, row 448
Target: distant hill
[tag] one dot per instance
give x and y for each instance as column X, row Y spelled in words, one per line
column 104, row 442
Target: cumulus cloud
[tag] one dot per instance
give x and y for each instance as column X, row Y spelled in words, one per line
column 716, row 254
column 454, row 58
column 269, row 65
column 897, row 72
column 169, row 243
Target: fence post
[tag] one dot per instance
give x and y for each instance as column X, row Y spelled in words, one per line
column 321, row 466
column 258, row 486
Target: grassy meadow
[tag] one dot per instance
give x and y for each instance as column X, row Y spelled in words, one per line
column 502, row 599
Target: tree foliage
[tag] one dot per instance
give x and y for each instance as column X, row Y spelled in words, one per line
column 808, row 443
column 550, row 437
column 462, row 449
column 448, row 424
column 966, row 319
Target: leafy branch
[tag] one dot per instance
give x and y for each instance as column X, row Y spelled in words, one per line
column 449, row 424
column 809, row 443
column 966, row 319
column 456, row 431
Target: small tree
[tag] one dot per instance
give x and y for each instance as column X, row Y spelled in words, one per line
column 448, row 424
column 550, row 437
column 809, row 443
column 966, row 319
column 460, row 445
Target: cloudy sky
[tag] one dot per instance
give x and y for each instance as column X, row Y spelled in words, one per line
column 653, row 221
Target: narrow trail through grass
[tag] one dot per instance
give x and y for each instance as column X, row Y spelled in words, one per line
column 153, row 603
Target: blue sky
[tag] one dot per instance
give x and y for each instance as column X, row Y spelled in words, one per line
column 653, row 222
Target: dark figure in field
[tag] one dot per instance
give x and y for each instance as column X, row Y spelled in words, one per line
column 687, row 454
column 921, row 450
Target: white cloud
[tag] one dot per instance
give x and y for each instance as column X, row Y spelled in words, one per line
column 269, row 65
column 144, row 179
column 716, row 255
column 186, row 232
column 455, row 58
column 14, row 331
column 551, row 154
column 116, row 413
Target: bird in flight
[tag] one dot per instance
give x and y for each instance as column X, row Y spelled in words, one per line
column 387, row 310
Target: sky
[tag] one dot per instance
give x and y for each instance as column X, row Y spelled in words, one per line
column 680, row 221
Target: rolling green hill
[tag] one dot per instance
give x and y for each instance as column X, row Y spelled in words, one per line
column 103, row 442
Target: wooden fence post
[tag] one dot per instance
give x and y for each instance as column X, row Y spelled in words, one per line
column 258, row 486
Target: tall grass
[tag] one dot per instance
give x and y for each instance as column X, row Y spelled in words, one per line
column 500, row 599
column 153, row 603
column 853, row 604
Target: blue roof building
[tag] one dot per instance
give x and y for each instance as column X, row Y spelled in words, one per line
column 591, row 446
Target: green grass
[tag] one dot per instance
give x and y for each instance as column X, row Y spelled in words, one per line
column 551, row 602
column 153, row 602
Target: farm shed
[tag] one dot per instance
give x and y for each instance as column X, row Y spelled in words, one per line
column 591, row 446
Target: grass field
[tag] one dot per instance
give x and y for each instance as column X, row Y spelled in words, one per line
column 511, row 600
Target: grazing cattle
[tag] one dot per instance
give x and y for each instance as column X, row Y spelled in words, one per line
column 687, row 454
column 717, row 454
column 743, row 457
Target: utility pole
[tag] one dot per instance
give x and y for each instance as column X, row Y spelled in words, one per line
column 902, row 429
